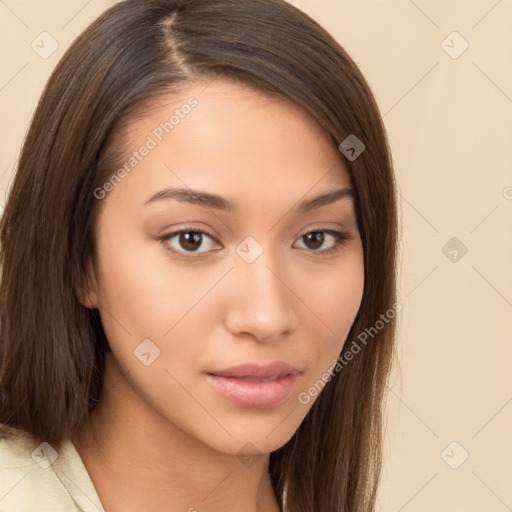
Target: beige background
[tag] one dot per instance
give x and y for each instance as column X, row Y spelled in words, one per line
column 450, row 124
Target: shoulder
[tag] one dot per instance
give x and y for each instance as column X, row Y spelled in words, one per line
column 36, row 476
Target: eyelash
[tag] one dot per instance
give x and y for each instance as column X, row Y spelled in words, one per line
column 340, row 238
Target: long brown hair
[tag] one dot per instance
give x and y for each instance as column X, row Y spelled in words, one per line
column 52, row 349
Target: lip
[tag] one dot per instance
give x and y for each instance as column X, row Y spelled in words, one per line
column 253, row 386
column 269, row 371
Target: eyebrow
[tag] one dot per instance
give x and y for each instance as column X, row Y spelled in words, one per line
column 208, row 200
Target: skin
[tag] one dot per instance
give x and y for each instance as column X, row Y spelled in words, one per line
column 162, row 438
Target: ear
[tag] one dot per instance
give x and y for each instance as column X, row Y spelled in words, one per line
column 88, row 294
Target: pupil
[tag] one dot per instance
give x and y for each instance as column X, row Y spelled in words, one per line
column 317, row 237
column 190, row 240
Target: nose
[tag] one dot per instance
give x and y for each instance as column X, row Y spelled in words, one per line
column 260, row 303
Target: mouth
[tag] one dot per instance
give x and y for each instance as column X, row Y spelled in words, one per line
column 255, row 387
column 248, row 378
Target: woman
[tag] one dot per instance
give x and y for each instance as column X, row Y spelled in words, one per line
column 198, row 270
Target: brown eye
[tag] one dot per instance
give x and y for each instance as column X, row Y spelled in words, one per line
column 189, row 241
column 317, row 240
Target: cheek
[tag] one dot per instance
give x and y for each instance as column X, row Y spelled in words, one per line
column 141, row 288
column 145, row 295
column 334, row 297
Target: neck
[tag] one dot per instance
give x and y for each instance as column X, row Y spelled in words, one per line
column 138, row 460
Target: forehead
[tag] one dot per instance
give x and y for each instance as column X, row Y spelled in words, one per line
column 229, row 139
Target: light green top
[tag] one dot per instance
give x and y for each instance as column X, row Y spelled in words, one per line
column 36, row 478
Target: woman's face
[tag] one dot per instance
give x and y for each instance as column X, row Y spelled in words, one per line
column 276, row 277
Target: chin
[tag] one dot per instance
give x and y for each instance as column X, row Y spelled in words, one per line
column 250, row 435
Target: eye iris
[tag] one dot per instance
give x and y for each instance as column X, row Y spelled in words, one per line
column 317, row 237
column 190, row 240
